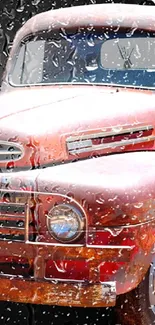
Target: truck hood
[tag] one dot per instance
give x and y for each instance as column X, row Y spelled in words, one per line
column 23, row 99
column 60, row 124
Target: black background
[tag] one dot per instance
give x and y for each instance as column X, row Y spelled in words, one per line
column 13, row 14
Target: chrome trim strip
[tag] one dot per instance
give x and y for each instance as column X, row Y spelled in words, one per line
column 13, row 276
column 19, row 150
column 53, row 244
column 109, row 133
column 9, row 152
column 64, row 280
column 106, row 228
column 80, row 245
column 112, row 145
column 110, row 247
column 77, row 145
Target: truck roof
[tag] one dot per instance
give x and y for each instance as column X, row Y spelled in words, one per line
column 123, row 15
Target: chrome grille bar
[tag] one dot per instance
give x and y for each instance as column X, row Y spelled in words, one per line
column 84, row 144
column 110, row 133
column 10, row 151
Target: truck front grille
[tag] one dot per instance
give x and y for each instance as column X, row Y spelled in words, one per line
column 13, row 217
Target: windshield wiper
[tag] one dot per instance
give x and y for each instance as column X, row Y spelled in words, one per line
column 125, row 57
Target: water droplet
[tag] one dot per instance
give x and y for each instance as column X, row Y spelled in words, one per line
column 90, row 40
column 106, row 36
column 20, row 6
column 114, row 231
column 35, row 2
column 134, row 217
column 60, row 267
column 55, row 61
column 10, row 26
column 91, row 63
column 114, row 198
column 117, row 128
column 138, row 205
column 100, row 199
column 131, row 32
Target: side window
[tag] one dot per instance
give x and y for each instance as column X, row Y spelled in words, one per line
column 29, row 65
column 17, row 71
column 34, row 58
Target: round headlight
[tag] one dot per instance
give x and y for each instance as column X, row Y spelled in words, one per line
column 65, row 222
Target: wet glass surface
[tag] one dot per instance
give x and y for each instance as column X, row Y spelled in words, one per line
column 83, row 56
column 13, row 14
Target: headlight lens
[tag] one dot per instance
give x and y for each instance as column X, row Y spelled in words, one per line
column 65, row 222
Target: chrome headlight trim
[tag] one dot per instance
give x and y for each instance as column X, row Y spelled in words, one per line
column 61, row 212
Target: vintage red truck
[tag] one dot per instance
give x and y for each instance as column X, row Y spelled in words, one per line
column 77, row 160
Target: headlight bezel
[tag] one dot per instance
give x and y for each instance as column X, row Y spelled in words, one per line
column 80, row 219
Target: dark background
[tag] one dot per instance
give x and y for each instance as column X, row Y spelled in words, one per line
column 13, row 14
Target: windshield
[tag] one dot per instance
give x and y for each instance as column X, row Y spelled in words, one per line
column 96, row 56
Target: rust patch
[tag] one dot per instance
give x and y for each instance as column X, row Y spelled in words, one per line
column 54, row 293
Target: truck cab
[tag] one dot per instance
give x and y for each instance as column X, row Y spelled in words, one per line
column 77, row 141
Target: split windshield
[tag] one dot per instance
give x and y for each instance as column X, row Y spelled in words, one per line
column 87, row 56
